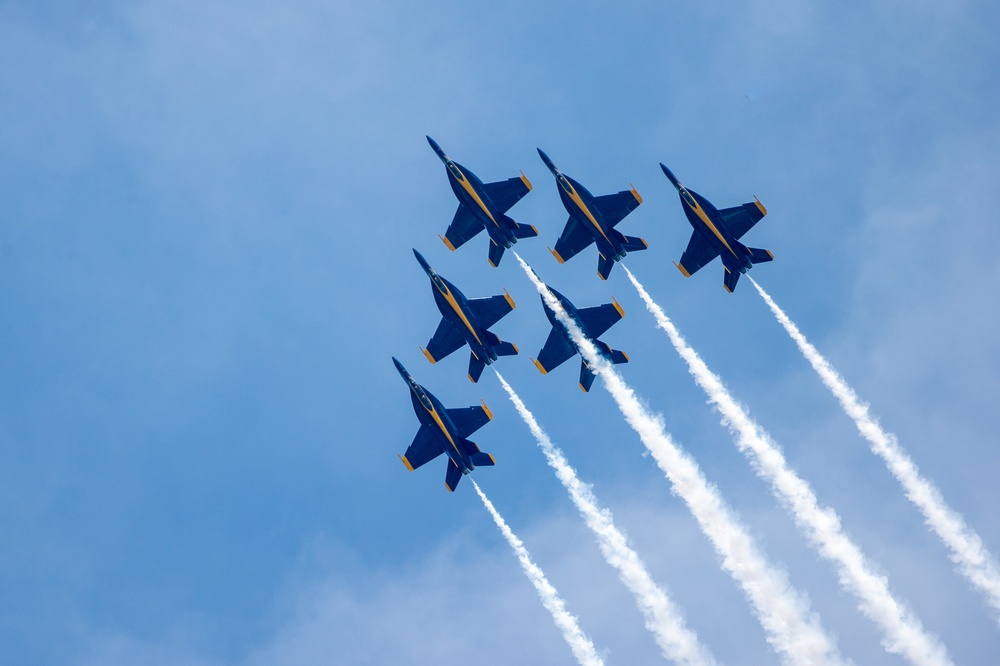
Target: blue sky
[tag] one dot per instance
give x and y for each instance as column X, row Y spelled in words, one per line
column 207, row 212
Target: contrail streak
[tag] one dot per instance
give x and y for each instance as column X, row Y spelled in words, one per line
column 967, row 550
column 792, row 629
column 663, row 619
column 903, row 632
column 581, row 646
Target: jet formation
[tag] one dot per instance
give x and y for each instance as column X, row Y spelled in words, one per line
column 592, row 220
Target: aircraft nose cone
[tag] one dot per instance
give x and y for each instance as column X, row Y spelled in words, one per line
column 548, row 162
column 423, row 262
column 399, row 367
column 437, row 149
column 670, row 176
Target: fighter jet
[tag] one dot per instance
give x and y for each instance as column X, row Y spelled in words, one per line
column 593, row 322
column 484, row 206
column 592, row 219
column 444, row 431
column 717, row 233
column 465, row 321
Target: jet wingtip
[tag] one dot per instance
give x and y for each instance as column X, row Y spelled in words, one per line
column 405, row 462
column 683, row 270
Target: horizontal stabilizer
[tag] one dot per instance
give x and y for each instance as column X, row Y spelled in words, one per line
column 496, row 254
column 618, row 356
column 586, row 377
column 452, row 476
column 759, row 256
column 604, row 266
column 481, row 459
column 522, row 230
column 634, row 243
column 506, row 349
column 475, row 368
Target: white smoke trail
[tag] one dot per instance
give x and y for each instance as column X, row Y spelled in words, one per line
column 902, row 630
column 582, row 647
column 792, row 629
column 967, row 550
column 663, row 619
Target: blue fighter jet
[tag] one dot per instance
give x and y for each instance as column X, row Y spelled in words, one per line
column 717, row 233
column 593, row 219
column 483, row 205
column 465, row 321
column 444, row 431
column 593, row 322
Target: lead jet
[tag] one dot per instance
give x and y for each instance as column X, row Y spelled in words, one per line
column 592, row 220
column 717, row 233
column 593, row 322
column 444, row 431
column 483, row 206
column 465, row 321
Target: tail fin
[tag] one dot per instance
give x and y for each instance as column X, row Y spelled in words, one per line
column 452, row 476
column 475, row 368
column 618, row 356
column 731, row 277
column 759, row 256
column 604, row 266
column 506, row 349
column 522, row 230
column 634, row 243
column 586, row 377
column 496, row 254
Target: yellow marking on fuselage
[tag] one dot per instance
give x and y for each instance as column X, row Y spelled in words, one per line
column 467, row 186
column 700, row 212
column 440, row 423
column 586, row 211
column 448, row 296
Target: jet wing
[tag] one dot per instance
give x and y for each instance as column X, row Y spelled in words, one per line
column 469, row 419
column 505, row 193
column 698, row 253
column 447, row 338
column 425, row 447
column 740, row 219
column 614, row 207
column 599, row 319
column 463, row 227
column 556, row 350
column 575, row 237
column 491, row 309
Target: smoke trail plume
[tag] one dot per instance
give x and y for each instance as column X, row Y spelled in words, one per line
column 662, row 618
column 967, row 550
column 903, row 632
column 581, row 646
column 792, row 629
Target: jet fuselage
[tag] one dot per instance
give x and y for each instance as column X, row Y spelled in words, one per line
column 571, row 311
column 454, row 306
column 707, row 221
column 471, row 193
